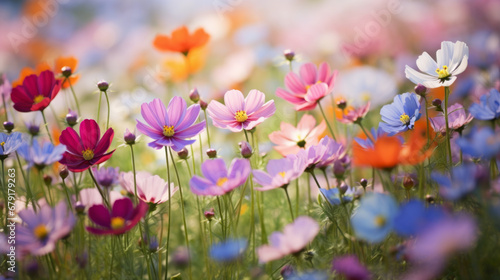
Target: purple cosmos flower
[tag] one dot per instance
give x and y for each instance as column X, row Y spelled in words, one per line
column 355, row 115
column 350, row 267
column 150, row 189
column 294, row 238
column 218, row 180
column 41, row 155
column 401, row 114
column 488, row 108
column 42, row 229
column 325, row 153
column 457, row 119
column 122, row 218
column 280, row 172
column 106, row 177
column 240, row 113
column 306, row 90
column 171, row 126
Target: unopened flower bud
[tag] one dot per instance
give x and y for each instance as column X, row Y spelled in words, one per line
column 437, row 103
column 408, row 182
column 63, row 172
column 71, row 118
column 47, row 179
column 421, row 90
column 79, row 207
column 309, row 255
column 102, row 85
column 211, row 153
column 338, row 170
column 203, row 105
column 429, row 198
column 209, row 214
column 181, row 257
column 66, row 71
column 9, row 126
column 194, row 95
column 341, row 104
column 289, row 54
column 183, row 153
column 363, row 182
column 343, row 188
column 245, row 149
column 129, row 137
column 33, row 129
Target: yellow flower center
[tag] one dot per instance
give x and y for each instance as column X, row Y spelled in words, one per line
column 2, row 144
column 221, row 181
column 282, row 174
column 41, row 232
column 443, row 73
column 380, row 221
column 309, row 86
column 38, row 99
column 241, row 116
column 168, row 130
column 405, row 119
column 117, row 222
column 88, row 154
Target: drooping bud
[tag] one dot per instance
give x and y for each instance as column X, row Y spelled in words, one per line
column 437, row 103
column 408, row 182
column 203, row 105
column 343, row 188
column 245, row 149
column 47, row 179
column 183, row 153
column 66, row 71
column 129, row 137
column 63, row 172
column 211, row 153
column 338, row 170
column 9, row 126
column 79, row 207
column 209, row 214
column 289, row 54
column 33, row 129
column 363, row 182
column 71, row 118
column 102, row 85
column 421, row 90
column 341, row 104
column 194, row 95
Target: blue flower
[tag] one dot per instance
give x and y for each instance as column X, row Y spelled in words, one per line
column 9, row 143
column 461, row 182
column 480, row 143
column 413, row 216
column 374, row 218
column 106, row 177
column 401, row 114
column 41, row 155
column 368, row 144
column 228, row 250
column 333, row 195
column 488, row 108
column 309, row 275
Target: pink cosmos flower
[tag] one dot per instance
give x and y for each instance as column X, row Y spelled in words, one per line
column 291, row 139
column 280, row 172
column 326, row 152
column 91, row 196
column 150, row 189
column 294, row 238
column 306, row 90
column 355, row 115
column 240, row 113
column 457, row 119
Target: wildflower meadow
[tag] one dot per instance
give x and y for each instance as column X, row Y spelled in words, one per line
column 250, row 140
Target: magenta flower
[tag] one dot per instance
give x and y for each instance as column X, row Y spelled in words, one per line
column 218, row 180
column 355, row 115
column 294, row 238
column 350, row 267
column 172, row 126
column 306, row 90
column 36, row 93
column 240, row 113
column 122, row 218
column 150, row 189
column 41, row 230
column 457, row 119
column 280, row 172
column 88, row 149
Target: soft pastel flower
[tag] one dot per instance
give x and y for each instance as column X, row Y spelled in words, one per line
column 171, row 126
column 36, row 92
column 373, row 220
column 294, row 238
column 88, row 149
column 181, row 41
column 180, row 68
column 462, row 182
column 5, row 86
column 355, row 115
column 122, row 218
column 150, row 189
column 457, row 119
column 70, row 62
column 488, row 107
column 106, row 176
column 228, row 250
column 218, row 180
column 480, row 143
column 91, row 196
column 325, row 153
column 350, row 267
column 40, row 230
column 367, row 142
column 9, row 143
column 240, row 113
column 401, row 114
column 413, row 217
column 41, row 155
column 333, row 195
column 280, row 172
column 312, row 85
column 451, row 61
column 290, row 139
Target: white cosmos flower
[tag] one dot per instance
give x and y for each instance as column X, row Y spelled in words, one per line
column 451, row 61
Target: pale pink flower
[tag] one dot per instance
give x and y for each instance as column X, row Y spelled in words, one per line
column 291, row 139
column 355, row 115
column 240, row 113
column 457, row 119
column 150, row 188
column 91, row 196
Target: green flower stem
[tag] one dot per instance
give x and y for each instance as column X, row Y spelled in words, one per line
column 326, row 177
column 289, row 203
column 47, row 126
column 109, row 109
column 208, row 130
column 65, row 187
column 99, row 107
column 427, row 119
column 104, row 198
column 365, row 132
column 74, row 96
column 135, row 175
column 169, row 213
column 222, row 223
column 326, row 120
column 5, row 108
column 446, row 95
column 27, row 183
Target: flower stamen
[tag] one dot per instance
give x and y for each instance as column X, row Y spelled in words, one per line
column 221, row 181
column 443, row 73
column 168, row 130
column 88, row 154
column 405, row 119
column 38, row 99
column 241, row 116
column 380, row 221
column 117, row 222
column 41, row 232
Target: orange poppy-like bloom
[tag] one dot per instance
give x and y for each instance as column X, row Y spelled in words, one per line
column 181, row 69
column 27, row 71
column 70, row 62
column 181, row 41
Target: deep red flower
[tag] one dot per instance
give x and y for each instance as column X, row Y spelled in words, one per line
column 85, row 150
column 36, row 92
column 123, row 217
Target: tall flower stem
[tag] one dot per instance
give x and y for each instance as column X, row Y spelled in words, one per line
column 366, row 133
column 326, row 120
column 289, row 202
column 446, row 95
column 5, row 108
column 208, row 130
column 136, row 198
column 104, row 198
column 222, row 223
column 427, row 119
column 47, row 126
column 169, row 213
column 109, row 109
column 74, row 96
column 4, row 192
column 99, row 107
column 27, row 183
column 182, row 209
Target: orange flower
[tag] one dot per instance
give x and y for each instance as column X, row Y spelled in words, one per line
column 181, row 69
column 415, row 150
column 181, row 41
column 385, row 153
column 26, row 71
column 70, row 62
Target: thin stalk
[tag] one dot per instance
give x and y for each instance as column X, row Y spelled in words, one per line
column 222, row 222
column 208, row 130
column 47, row 127
column 5, row 108
column 109, row 110
column 135, row 176
column 169, row 213
column 365, row 132
column 66, row 192
column 326, row 177
column 289, row 203
column 326, row 120
column 446, row 94
column 427, row 119
column 99, row 189
column 74, row 96
column 99, row 107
